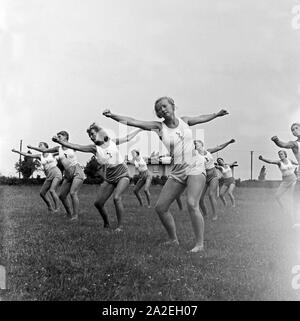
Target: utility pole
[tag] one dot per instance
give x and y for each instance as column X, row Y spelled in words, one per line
column 252, row 164
column 20, row 157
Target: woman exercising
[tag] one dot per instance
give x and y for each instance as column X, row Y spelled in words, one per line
column 228, row 183
column 212, row 180
column 116, row 171
column 53, row 176
column 289, row 179
column 73, row 175
column 176, row 135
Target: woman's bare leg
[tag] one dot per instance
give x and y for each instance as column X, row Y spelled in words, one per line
column 179, row 203
column 43, row 193
column 140, row 183
column 202, row 202
column 230, row 193
column 223, row 191
column 120, row 189
column 63, row 196
column 75, row 187
column 213, row 195
column 170, row 191
column 147, row 190
column 195, row 187
column 52, row 191
column 105, row 192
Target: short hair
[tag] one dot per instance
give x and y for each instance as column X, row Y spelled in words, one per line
column 96, row 128
column 298, row 124
column 284, row 152
column 220, row 158
column 198, row 141
column 169, row 99
column 45, row 144
column 64, row 133
column 136, row 151
column 93, row 126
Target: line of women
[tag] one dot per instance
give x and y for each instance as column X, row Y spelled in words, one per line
column 192, row 169
column 289, row 171
column 212, row 179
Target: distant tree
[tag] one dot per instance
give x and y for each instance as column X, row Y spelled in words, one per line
column 27, row 166
column 262, row 174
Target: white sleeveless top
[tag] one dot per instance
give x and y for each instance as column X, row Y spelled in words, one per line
column 287, row 169
column 141, row 165
column 67, row 157
column 179, row 142
column 298, row 155
column 226, row 171
column 298, row 159
column 198, row 164
column 109, row 155
column 209, row 160
column 48, row 162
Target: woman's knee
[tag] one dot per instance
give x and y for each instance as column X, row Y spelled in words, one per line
column 160, row 208
column 201, row 202
column 117, row 198
column 212, row 194
column 73, row 194
column 52, row 191
column 42, row 194
column 192, row 203
column 99, row 203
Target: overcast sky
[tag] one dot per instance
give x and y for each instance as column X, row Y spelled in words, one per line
column 63, row 61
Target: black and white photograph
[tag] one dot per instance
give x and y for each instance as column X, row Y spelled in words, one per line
column 149, row 153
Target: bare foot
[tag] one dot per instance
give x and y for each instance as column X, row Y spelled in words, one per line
column 74, row 218
column 197, row 249
column 214, row 218
column 171, row 242
column 118, row 230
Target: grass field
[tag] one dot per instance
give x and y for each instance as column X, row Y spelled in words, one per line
column 251, row 252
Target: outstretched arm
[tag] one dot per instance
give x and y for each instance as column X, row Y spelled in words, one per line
column 26, row 154
column 294, row 163
column 127, row 138
column 191, row 121
column 233, row 164
column 44, row 150
column 219, row 167
column 80, row 148
column 145, row 125
column 220, row 147
column 268, row 161
column 288, row 145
